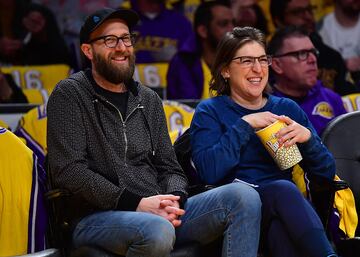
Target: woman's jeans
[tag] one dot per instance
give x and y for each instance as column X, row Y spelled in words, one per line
column 232, row 211
column 292, row 227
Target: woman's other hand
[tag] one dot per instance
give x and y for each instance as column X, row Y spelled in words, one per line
column 293, row 133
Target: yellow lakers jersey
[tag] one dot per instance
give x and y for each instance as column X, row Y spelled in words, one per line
column 21, row 190
column 32, row 128
column 3, row 124
column 178, row 118
column 38, row 81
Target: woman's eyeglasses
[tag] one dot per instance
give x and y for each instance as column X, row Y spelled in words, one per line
column 249, row 61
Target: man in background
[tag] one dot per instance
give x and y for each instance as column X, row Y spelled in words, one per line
column 294, row 69
column 332, row 68
column 189, row 71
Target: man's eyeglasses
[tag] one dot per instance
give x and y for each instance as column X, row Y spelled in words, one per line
column 249, row 61
column 112, row 41
column 300, row 11
column 301, row 55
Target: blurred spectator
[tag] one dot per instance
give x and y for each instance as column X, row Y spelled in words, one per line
column 294, row 67
column 323, row 7
column 341, row 30
column 189, row 71
column 188, row 7
column 9, row 91
column 332, row 68
column 161, row 32
column 70, row 15
column 29, row 35
column 249, row 13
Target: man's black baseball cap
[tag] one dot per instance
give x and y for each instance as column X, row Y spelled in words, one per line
column 93, row 21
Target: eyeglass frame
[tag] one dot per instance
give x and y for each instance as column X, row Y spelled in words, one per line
column 131, row 36
column 299, row 11
column 253, row 58
column 297, row 54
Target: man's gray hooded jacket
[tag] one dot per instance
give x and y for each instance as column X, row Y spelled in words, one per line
column 109, row 160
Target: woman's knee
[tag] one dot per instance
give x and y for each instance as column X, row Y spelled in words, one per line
column 283, row 188
column 278, row 196
column 242, row 196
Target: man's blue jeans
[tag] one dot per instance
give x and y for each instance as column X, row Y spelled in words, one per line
column 232, row 211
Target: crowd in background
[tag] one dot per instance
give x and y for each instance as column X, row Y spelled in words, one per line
column 318, row 67
column 30, row 33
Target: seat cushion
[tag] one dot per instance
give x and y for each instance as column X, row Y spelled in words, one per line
column 189, row 250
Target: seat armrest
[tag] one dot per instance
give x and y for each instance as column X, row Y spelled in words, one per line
column 340, row 185
column 46, row 253
column 349, row 247
column 57, row 193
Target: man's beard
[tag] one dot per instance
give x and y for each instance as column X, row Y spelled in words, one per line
column 114, row 73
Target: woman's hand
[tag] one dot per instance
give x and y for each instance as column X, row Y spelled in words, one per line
column 293, row 133
column 261, row 119
column 9, row 47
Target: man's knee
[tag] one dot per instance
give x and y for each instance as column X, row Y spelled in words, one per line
column 160, row 238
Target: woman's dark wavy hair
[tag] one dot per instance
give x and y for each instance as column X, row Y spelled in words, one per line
column 226, row 50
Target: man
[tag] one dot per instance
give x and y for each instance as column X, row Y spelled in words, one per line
column 294, row 67
column 332, row 69
column 189, row 71
column 108, row 144
column 341, row 31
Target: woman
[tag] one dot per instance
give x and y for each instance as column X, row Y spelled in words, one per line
column 29, row 35
column 225, row 146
